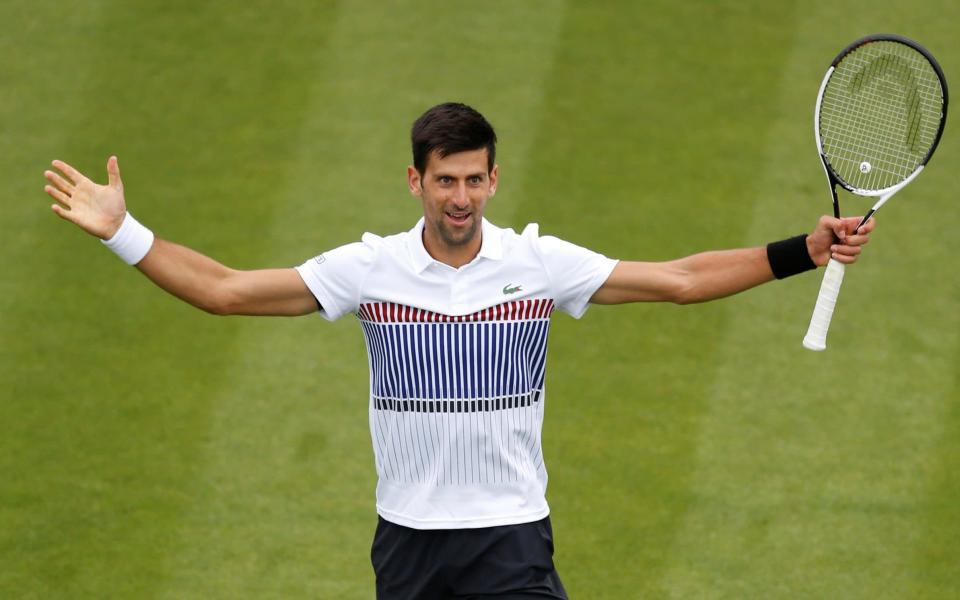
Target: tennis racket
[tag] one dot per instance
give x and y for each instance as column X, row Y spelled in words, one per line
column 878, row 119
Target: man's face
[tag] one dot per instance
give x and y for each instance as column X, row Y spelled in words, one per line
column 454, row 191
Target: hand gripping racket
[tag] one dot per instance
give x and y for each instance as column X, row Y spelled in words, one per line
column 879, row 117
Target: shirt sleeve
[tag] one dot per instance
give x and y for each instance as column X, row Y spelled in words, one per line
column 575, row 273
column 336, row 277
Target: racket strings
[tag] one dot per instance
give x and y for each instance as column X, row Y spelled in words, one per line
column 880, row 114
column 877, row 139
column 901, row 71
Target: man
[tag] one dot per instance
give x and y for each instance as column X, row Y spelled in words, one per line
column 455, row 314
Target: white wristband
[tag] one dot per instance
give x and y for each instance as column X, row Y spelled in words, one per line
column 131, row 242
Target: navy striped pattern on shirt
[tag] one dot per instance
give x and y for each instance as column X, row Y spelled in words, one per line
column 457, row 399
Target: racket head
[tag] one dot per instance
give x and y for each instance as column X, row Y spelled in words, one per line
column 880, row 113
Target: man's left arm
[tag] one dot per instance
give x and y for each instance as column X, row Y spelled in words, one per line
column 717, row 274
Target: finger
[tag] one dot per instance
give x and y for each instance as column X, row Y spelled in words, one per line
column 845, row 259
column 844, row 250
column 63, row 213
column 113, row 173
column 868, row 226
column 851, row 223
column 856, row 240
column 827, row 223
column 72, row 173
column 840, row 229
column 57, row 195
column 59, row 182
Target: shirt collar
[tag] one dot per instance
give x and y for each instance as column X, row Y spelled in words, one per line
column 491, row 245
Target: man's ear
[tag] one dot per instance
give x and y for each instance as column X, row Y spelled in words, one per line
column 494, row 175
column 414, row 181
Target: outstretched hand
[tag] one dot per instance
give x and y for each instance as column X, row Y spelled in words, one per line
column 97, row 209
column 836, row 238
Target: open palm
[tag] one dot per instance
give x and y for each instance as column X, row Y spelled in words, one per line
column 97, row 209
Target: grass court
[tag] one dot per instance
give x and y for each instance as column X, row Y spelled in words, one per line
column 148, row 450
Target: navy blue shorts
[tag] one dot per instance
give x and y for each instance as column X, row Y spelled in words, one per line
column 511, row 561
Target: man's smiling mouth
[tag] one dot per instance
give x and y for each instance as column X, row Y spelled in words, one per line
column 458, row 217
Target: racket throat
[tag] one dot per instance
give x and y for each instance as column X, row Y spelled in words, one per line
column 886, row 196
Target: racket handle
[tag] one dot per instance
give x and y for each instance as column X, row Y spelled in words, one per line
column 816, row 338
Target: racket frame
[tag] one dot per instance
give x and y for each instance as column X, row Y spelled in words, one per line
column 815, row 338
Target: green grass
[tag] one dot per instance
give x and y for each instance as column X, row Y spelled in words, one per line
column 150, row 451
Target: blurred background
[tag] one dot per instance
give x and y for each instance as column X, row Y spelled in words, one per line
column 148, row 450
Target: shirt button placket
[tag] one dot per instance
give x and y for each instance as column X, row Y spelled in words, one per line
column 457, row 294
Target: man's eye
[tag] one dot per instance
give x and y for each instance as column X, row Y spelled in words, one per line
column 476, row 180
column 445, row 180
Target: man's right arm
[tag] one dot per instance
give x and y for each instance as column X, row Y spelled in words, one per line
column 220, row 290
column 203, row 282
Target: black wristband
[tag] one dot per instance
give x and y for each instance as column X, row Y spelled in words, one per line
column 789, row 257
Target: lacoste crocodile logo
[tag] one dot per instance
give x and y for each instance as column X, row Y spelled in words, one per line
column 507, row 290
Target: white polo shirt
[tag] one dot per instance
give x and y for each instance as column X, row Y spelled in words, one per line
column 457, row 360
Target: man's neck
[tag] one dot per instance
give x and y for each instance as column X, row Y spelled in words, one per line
column 454, row 256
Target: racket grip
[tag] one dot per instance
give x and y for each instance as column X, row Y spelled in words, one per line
column 816, row 338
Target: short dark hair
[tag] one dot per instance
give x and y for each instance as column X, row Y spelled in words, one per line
column 449, row 128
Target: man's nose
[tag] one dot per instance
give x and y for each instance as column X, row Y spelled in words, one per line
column 460, row 196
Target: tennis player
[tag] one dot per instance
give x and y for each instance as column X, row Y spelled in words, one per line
column 455, row 314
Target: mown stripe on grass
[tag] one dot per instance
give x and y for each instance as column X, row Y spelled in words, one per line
column 934, row 572
column 112, row 382
column 45, row 52
column 655, row 118
column 284, row 503
column 813, row 471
